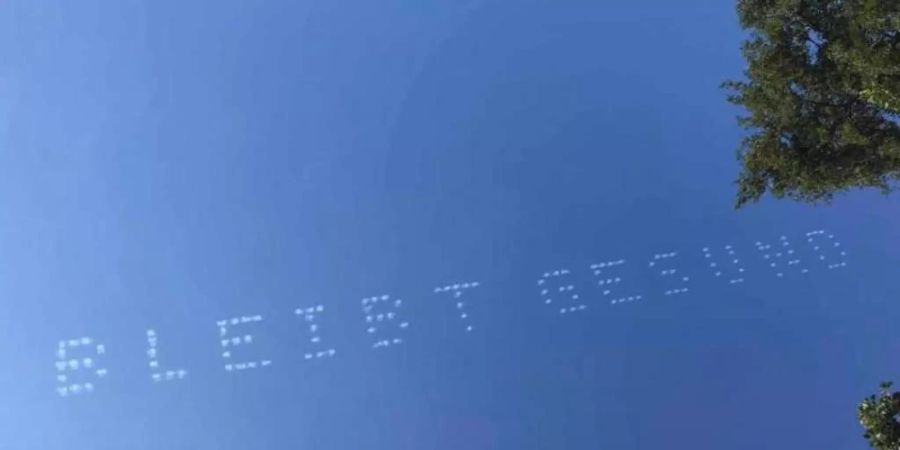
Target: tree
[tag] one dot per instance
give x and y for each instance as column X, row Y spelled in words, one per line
column 822, row 90
column 878, row 415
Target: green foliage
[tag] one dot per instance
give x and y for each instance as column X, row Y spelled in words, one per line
column 822, row 90
column 878, row 415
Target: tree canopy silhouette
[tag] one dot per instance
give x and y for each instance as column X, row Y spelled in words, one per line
column 822, row 90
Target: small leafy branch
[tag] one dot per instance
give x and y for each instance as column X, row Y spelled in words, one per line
column 878, row 415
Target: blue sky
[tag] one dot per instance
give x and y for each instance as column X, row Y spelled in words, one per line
column 166, row 165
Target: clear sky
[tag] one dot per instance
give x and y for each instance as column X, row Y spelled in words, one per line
column 166, row 165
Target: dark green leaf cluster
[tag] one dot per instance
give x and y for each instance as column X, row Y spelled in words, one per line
column 878, row 415
column 822, row 90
